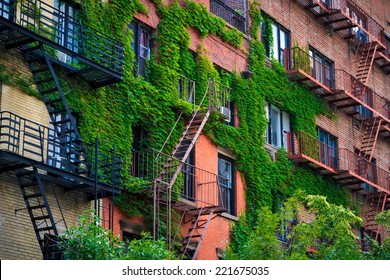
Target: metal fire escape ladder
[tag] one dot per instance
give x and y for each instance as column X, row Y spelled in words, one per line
column 375, row 203
column 163, row 184
column 366, row 61
column 37, row 205
column 370, row 137
column 50, row 89
column 29, row 179
column 196, row 233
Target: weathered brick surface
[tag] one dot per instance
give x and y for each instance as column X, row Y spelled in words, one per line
column 18, row 239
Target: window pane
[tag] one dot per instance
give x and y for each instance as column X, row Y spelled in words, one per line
column 225, row 171
column 267, row 118
column 275, row 127
column 144, row 44
column 276, row 42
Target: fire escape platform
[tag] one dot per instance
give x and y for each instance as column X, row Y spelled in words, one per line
column 342, row 23
column 351, row 179
column 312, row 163
column 315, row 7
column 91, row 55
column 69, row 181
column 383, row 61
column 300, row 76
column 347, row 102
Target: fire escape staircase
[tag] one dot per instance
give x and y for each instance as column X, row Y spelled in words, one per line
column 52, row 95
column 164, row 183
column 196, row 232
column 374, row 204
column 366, row 61
column 38, row 208
column 370, row 137
column 29, row 178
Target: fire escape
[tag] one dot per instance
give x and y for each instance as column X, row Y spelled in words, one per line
column 48, row 39
column 352, row 95
column 179, row 187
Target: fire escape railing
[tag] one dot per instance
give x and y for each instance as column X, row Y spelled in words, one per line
column 339, row 159
column 219, row 97
column 303, row 143
column 193, row 184
column 42, row 145
column 66, row 32
column 370, row 99
column 336, row 80
column 298, row 59
column 348, row 160
column 231, row 16
column 371, row 27
column 186, row 89
column 336, row 12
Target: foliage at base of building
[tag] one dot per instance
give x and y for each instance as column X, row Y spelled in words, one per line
column 90, row 241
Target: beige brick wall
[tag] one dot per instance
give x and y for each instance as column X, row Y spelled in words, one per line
column 18, row 240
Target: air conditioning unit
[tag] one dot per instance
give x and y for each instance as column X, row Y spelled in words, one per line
column 226, row 113
column 63, row 57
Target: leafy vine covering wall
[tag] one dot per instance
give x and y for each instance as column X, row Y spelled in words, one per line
column 111, row 112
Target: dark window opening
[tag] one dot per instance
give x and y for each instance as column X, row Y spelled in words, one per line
column 139, row 137
column 63, row 146
column 7, row 9
column 226, row 181
column 281, row 41
column 188, row 171
column 129, row 236
column 142, row 42
column 322, row 68
column 366, row 169
column 361, row 20
column 327, row 148
column 367, row 98
column 66, row 29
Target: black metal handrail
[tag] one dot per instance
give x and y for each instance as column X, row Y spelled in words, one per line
column 232, row 17
column 66, row 31
column 193, row 183
column 44, row 145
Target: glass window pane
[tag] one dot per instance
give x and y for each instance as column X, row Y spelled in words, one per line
column 276, row 42
column 282, row 39
column 275, row 127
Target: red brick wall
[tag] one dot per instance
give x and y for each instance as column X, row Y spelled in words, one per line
column 217, row 236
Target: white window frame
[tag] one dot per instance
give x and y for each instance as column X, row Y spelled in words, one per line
column 283, row 125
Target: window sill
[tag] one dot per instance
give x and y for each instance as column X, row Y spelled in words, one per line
column 229, row 216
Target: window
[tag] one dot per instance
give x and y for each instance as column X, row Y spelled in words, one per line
column 367, row 98
column 141, row 45
column 367, row 170
column 278, row 123
column 359, row 19
column 188, row 171
column 61, row 148
column 226, row 183
column 281, row 40
column 6, row 8
column 322, row 68
column 67, row 30
column 230, row 121
column 139, row 136
column 327, row 148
